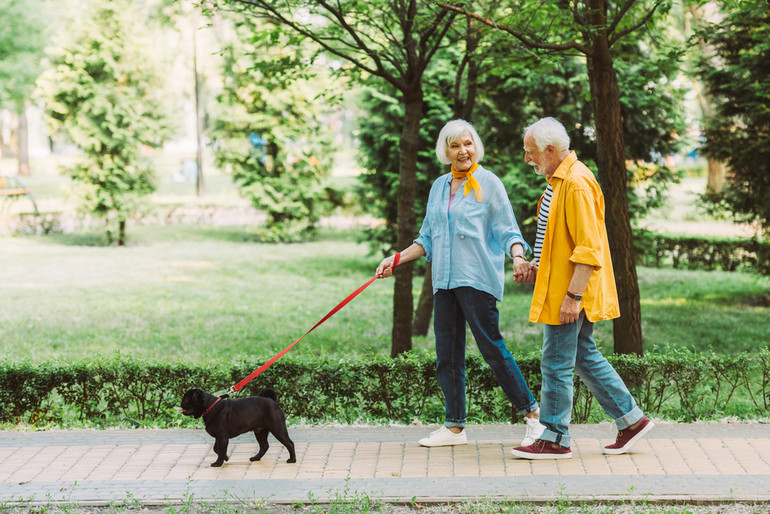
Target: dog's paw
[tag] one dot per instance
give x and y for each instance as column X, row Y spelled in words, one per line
column 255, row 458
column 291, row 461
column 217, row 464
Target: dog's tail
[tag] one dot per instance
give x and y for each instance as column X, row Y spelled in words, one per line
column 268, row 393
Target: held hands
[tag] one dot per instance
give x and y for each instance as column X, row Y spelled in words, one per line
column 524, row 272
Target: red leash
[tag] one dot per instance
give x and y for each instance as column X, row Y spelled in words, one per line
column 331, row 313
column 211, row 406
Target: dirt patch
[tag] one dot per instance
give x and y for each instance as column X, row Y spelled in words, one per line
column 762, row 300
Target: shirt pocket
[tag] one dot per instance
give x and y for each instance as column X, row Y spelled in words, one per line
column 473, row 219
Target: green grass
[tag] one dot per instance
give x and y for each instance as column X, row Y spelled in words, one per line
column 195, row 293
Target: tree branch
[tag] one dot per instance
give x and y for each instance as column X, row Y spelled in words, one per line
column 617, row 37
column 524, row 38
column 447, row 24
column 378, row 70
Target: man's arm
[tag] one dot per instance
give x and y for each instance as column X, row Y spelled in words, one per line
column 570, row 307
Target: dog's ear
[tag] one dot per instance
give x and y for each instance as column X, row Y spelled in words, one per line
column 199, row 401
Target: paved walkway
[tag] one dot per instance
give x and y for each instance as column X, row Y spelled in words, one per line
column 683, row 462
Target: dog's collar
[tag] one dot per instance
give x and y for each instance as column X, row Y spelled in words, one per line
column 212, row 405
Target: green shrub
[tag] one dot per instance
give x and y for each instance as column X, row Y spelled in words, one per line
column 678, row 385
column 681, row 252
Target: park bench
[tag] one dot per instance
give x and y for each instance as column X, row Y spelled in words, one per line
column 12, row 188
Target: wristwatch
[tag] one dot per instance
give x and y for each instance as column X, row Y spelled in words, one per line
column 576, row 297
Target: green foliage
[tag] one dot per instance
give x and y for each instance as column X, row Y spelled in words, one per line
column 677, row 384
column 513, row 90
column 271, row 132
column 738, row 78
column 103, row 91
column 22, row 40
column 687, row 252
column 379, row 134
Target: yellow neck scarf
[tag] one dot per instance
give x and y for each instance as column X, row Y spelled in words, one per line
column 470, row 182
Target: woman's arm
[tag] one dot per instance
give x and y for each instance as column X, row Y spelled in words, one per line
column 386, row 267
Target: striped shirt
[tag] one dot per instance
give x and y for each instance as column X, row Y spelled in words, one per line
column 542, row 221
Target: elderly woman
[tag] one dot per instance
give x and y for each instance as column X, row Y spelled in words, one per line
column 468, row 229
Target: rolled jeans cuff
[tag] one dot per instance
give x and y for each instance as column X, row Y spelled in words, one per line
column 532, row 407
column 453, row 424
column 555, row 437
column 629, row 419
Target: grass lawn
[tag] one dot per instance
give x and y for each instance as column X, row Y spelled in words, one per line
column 183, row 293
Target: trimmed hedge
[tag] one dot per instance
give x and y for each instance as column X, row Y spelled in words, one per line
column 657, row 250
column 677, row 385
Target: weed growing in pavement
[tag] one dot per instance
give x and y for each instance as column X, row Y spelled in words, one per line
column 187, row 504
column 130, row 502
column 15, row 506
column 341, row 502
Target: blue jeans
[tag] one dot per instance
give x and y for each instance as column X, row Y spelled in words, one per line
column 452, row 308
column 572, row 347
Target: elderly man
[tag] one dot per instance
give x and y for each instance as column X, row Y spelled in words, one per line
column 574, row 287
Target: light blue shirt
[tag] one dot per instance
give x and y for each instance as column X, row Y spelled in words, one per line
column 467, row 244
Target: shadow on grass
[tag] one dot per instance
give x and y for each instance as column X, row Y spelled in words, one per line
column 149, row 235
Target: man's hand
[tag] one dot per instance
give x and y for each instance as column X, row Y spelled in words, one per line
column 525, row 272
column 570, row 310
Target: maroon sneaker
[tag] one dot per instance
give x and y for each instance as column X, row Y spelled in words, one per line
column 627, row 437
column 542, row 450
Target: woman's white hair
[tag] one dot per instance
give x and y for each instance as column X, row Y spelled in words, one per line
column 548, row 131
column 453, row 131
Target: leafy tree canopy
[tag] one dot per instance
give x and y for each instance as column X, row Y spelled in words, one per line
column 737, row 75
column 22, row 40
column 106, row 93
column 272, row 130
column 515, row 88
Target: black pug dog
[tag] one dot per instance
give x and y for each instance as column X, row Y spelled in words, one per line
column 229, row 418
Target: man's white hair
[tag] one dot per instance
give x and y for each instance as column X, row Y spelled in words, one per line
column 453, row 131
column 548, row 131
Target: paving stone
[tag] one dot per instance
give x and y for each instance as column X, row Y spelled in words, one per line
column 686, row 462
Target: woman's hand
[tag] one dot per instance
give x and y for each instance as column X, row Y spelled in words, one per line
column 388, row 264
column 524, row 272
column 386, row 267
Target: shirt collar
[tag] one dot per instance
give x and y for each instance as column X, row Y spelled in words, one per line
column 565, row 165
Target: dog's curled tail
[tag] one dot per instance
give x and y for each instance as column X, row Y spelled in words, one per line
column 268, row 393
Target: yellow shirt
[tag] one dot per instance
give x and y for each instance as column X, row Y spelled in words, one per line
column 575, row 233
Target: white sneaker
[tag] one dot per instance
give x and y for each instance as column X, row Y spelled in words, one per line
column 534, row 431
column 444, row 437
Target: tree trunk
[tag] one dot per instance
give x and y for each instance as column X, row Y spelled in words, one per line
column 23, row 141
column 605, row 99
column 701, row 15
column 122, row 232
column 716, row 178
column 199, row 188
column 424, row 312
column 403, row 302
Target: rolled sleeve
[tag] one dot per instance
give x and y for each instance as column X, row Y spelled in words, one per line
column 512, row 241
column 425, row 242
